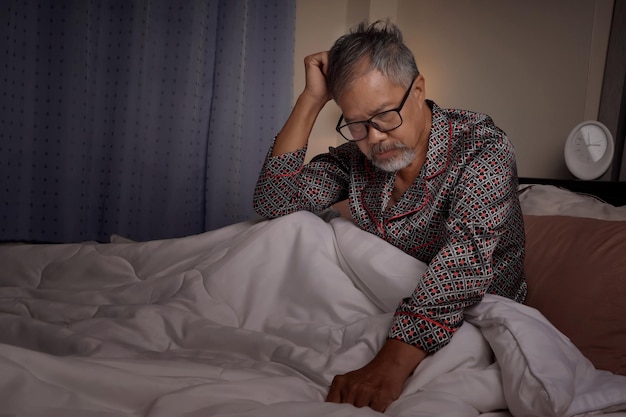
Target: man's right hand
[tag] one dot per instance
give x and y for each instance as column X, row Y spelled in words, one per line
column 315, row 67
column 295, row 133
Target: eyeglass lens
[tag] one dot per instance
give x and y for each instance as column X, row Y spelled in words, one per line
column 382, row 122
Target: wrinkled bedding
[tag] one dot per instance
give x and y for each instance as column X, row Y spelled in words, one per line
column 255, row 319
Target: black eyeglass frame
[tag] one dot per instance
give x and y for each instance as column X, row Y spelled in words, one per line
column 370, row 122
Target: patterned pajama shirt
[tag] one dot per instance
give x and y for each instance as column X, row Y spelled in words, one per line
column 461, row 216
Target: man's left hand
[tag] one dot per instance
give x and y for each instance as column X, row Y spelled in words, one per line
column 380, row 382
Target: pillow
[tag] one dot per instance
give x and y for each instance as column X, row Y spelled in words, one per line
column 576, row 272
column 547, row 200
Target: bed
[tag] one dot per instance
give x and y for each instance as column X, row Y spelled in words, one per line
column 256, row 318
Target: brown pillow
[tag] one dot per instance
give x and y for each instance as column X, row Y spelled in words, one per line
column 576, row 272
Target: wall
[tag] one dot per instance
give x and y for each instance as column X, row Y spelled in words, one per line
column 536, row 67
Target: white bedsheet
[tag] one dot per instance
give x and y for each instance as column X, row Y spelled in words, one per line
column 255, row 319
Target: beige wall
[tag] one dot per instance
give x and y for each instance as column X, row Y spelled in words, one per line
column 318, row 24
column 536, row 67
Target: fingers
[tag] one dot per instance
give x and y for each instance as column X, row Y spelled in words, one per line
column 363, row 399
column 348, row 391
column 319, row 60
column 316, row 66
column 379, row 403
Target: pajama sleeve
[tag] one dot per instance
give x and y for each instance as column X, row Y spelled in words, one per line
column 287, row 185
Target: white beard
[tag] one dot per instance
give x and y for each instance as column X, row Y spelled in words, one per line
column 403, row 160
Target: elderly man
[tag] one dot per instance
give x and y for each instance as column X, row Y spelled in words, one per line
column 440, row 184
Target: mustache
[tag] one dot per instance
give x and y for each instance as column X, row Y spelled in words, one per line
column 386, row 146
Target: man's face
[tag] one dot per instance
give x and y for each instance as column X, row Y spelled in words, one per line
column 373, row 93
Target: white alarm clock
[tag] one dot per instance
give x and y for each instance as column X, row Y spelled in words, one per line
column 589, row 150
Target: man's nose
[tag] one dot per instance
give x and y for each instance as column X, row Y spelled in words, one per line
column 374, row 135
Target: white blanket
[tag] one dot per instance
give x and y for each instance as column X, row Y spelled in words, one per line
column 255, row 319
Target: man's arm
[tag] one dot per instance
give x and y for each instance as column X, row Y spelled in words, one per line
column 285, row 184
column 295, row 133
column 457, row 277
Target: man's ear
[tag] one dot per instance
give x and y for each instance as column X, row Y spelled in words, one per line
column 419, row 87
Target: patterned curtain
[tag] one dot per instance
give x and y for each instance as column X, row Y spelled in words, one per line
column 147, row 118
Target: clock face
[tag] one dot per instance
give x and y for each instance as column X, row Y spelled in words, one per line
column 590, row 144
column 589, row 150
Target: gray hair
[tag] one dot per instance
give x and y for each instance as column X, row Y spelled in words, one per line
column 378, row 46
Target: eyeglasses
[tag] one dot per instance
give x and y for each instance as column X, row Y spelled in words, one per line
column 383, row 122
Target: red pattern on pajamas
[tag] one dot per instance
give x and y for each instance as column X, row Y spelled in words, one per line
column 461, row 216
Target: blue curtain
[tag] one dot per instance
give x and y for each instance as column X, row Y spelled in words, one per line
column 146, row 118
